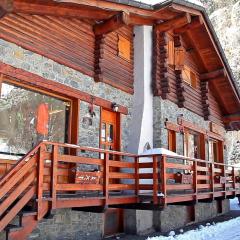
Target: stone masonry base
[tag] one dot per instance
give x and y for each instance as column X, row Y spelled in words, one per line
column 143, row 222
column 68, row 224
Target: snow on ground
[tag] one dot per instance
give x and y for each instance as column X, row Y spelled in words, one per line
column 234, row 205
column 228, row 230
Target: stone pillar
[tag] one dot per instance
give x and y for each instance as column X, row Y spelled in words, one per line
column 141, row 126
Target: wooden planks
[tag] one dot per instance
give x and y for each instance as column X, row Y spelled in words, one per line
column 109, row 66
column 53, row 38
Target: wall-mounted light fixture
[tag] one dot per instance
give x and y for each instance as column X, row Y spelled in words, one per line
column 115, row 107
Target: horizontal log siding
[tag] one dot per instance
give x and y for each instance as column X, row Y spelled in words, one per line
column 67, row 41
column 193, row 98
column 214, row 108
column 111, row 68
column 164, row 77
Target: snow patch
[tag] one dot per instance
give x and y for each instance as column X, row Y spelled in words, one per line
column 234, row 204
column 152, row 2
column 228, row 230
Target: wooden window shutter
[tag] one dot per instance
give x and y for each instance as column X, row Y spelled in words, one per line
column 179, row 58
column 124, row 48
column 193, row 79
column 171, row 52
column 186, row 74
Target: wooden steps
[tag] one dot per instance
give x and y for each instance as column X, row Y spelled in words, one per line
column 27, row 223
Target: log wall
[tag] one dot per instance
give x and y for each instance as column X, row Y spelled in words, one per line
column 72, row 42
column 169, row 84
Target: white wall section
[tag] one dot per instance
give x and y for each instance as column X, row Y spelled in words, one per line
column 142, row 119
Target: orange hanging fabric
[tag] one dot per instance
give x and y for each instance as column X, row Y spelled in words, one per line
column 42, row 119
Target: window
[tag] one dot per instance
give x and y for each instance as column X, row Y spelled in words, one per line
column 192, row 144
column 189, row 76
column 124, row 48
column 172, row 140
column 215, row 150
column 179, row 58
column 27, row 117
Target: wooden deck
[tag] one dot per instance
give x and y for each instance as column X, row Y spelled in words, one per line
column 55, row 175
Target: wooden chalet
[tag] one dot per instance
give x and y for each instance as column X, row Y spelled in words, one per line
column 82, row 83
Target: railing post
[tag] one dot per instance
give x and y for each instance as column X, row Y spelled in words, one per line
column 212, row 180
column 106, row 179
column 40, row 181
column 195, row 179
column 225, row 182
column 234, row 180
column 163, row 173
column 136, row 176
column 54, row 176
column 155, row 180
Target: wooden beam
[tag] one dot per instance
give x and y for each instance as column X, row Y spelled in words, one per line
column 6, row 5
column 111, row 24
column 195, row 23
column 173, row 23
column 3, row 12
column 213, row 75
column 114, row 6
column 232, row 118
column 54, row 9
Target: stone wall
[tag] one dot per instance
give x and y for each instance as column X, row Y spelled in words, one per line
column 20, row 58
column 68, row 224
column 172, row 217
column 167, row 110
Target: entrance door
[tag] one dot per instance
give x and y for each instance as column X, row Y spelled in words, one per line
column 110, row 139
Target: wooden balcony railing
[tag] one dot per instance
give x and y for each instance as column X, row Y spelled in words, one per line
column 64, row 175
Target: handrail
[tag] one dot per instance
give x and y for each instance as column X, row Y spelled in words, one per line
column 19, row 163
column 90, row 149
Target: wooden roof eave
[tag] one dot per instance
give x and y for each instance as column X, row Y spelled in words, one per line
column 200, row 11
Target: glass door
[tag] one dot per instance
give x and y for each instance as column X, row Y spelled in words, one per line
column 108, row 136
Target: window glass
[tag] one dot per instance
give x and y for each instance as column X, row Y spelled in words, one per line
column 103, row 132
column 27, row 117
column 213, row 151
column 110, row 133
column 191, row 145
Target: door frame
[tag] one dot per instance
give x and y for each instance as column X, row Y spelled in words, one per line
column 119, row 212
column 118, row 128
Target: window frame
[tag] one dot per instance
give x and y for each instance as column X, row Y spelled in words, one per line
column 189, row 76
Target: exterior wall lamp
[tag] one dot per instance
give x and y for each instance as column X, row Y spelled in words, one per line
column 115, row 107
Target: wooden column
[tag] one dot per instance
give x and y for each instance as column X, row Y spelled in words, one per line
column 234, row 180
column 195, row 180
column 205, row 99
column 212, row 180
column 179, row 79
column 54, row 176
column 155, row 181
column 160, row 67
column 40, row 181
column 106, row 179
column 99, row 52
column 137, row 177
column 164, row 177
